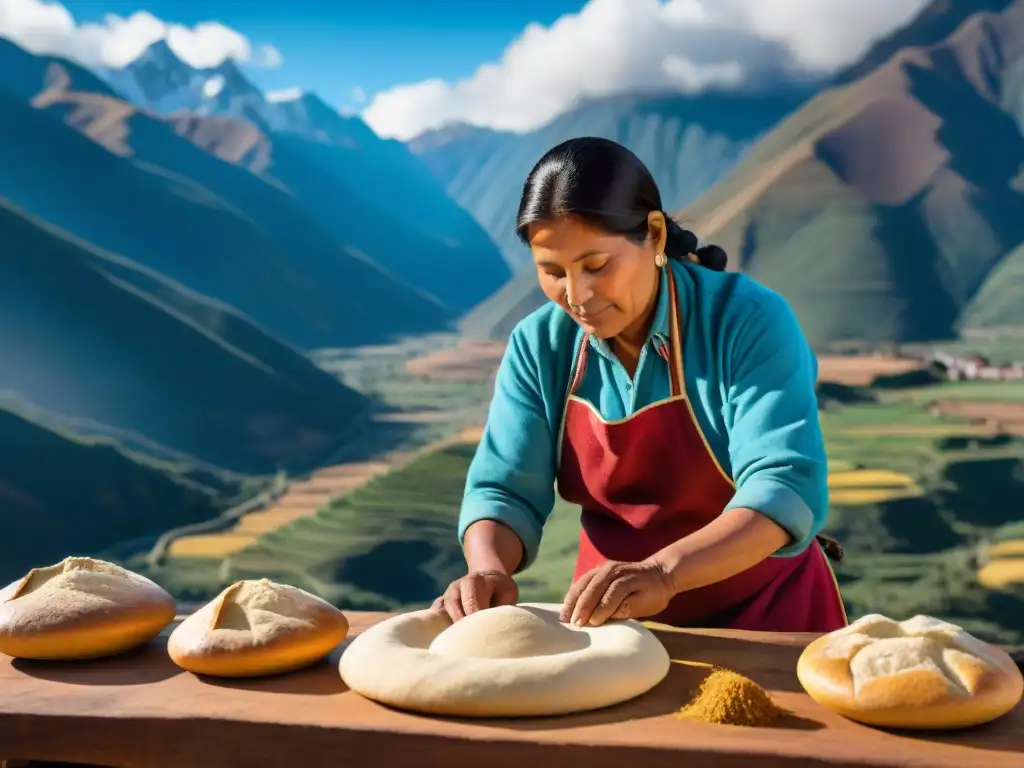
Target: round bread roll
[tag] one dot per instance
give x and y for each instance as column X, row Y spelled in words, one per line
column 507, row 661
column 921, row 673
column 81, row 608
column 257, row 628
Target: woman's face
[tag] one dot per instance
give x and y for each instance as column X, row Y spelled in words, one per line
column 610, row 276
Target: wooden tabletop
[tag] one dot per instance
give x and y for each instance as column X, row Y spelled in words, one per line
column 140, row 711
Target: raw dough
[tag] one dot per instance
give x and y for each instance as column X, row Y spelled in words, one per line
column 921, row 673
column 256, row 628
column 507, row 661
column 81, row 608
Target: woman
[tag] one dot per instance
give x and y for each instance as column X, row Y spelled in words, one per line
column 672, row 401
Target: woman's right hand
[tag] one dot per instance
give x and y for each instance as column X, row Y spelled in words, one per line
column 475, row 592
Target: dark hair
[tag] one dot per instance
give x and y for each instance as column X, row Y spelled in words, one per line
column 606, row 185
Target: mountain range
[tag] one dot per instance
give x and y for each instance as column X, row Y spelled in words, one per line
column 165, row 266
column 369, row 193
column 873, row 207
column 687, row 141
column 94, row 335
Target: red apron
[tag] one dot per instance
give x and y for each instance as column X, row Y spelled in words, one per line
column 648, row 480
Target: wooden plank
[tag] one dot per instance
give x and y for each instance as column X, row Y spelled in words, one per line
column 139, row 710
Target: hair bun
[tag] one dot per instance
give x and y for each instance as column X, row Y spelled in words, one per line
column 712, row 257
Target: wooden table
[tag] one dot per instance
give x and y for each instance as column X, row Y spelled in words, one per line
column 139, row 710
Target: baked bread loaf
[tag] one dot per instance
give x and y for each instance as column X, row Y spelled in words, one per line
column 921, row 673
column 81, row 608
column 256, row 628
column 507, row 661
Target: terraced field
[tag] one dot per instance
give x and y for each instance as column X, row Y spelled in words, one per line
column 302, row 500
column 389, row 544
column 1001, row 562
column 861, row 370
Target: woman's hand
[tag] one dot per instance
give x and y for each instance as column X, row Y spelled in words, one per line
column 617, row 590
column 475, row 592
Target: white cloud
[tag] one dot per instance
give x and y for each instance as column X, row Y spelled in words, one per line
column 693, row 78
column 825, row 34
column 358, row 95
column 617, row 46
column 49, row 28
column 268, row 57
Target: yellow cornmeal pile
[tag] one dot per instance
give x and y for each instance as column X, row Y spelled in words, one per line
column 728, row 698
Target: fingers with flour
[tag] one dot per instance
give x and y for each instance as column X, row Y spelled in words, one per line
column 615, row 602
column 617, row 590
column 452, row 600
column 586, row 594
column 475, row 592
column 572, row 596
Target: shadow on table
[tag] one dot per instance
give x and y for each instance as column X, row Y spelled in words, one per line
column 1003, row 735
column 151, row 664
column 772, row 665
column 319, row 679
column 672, row 694
column 145, row 665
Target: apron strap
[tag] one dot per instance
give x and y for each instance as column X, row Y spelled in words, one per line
column 674, row 353
column 580, row 365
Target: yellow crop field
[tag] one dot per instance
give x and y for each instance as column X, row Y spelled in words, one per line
column 1006, row 548
column 216, row 545
column 869, row 478
column 860, row 496
column 267, row 520
column 1000, row 574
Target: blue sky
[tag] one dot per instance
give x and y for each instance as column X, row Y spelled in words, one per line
column 335, row 46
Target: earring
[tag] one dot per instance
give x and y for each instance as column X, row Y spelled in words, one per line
column 660, row 260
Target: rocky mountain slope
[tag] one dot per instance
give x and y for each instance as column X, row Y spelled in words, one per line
column 686, row 141
column 127, row 182
column 62, row 494
column 92, row 335
column 886, row 208
column 368, row 193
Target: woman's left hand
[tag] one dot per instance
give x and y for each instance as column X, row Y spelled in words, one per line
column 617, row 590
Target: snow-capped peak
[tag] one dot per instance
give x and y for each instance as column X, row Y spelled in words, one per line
column 287, row 94
column 160, row 81
column 213, row 86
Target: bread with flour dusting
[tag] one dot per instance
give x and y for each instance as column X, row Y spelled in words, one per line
column 81, row 608
column 255, row 628
column 921, row 673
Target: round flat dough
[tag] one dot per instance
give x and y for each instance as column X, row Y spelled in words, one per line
column 508, row 661
column 81, row 608
column 257, row 628
column 921, row 673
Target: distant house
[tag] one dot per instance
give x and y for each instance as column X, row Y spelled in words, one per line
column 975, row 368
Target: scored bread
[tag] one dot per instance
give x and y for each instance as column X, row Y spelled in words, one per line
column 256, row 628
column 506, row 661
column 921, row 673
column 81, row 608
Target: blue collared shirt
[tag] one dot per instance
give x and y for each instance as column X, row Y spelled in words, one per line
column 750, row 376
